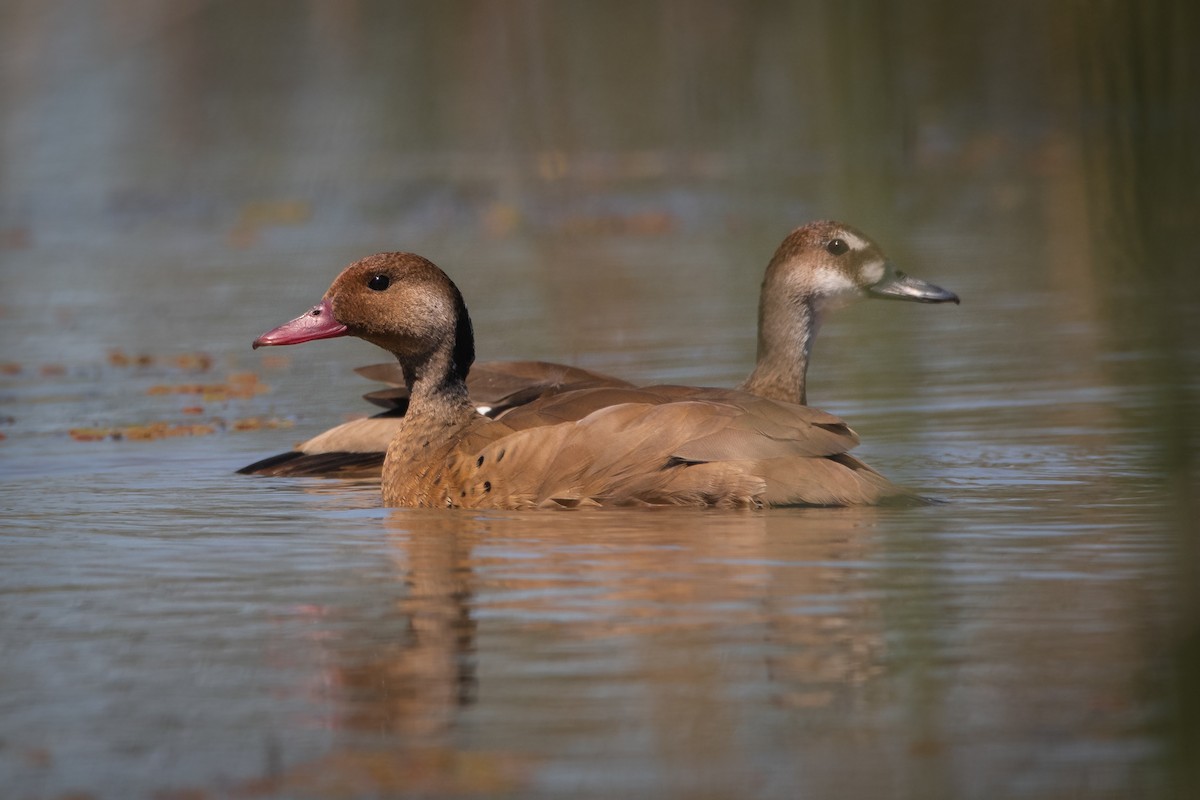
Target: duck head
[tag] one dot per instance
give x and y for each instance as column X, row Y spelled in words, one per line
column 819, row 266
column 829, row 263
column 398, row 301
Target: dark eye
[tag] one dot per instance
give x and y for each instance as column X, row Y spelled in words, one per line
column 836, row 247
column 379, row 282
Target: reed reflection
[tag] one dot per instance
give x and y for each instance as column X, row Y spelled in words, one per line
column 1138, row 128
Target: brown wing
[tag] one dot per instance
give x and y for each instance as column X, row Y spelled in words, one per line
column 746, row 452
column 359, row 445
column 496, row 385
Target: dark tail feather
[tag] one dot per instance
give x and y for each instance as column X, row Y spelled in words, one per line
column 294, row 464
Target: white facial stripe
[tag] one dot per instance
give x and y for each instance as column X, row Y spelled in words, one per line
column 830, row 282
column 855, row 242
column 872, row 272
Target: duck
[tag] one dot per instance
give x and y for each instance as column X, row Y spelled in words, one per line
column 591, row 447
column 355, row 449
column 819, row 266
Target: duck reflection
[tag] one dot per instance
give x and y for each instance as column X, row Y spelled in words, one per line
column 412, row 686
column 589, row 604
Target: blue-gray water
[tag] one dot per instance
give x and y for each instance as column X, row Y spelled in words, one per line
column 606, row 183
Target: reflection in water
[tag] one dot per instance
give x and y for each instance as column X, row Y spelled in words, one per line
column 713, row 640
column 1139, row 144
column 643, row 600
column 803, row 603
column 1139, row 141
column 414, row 687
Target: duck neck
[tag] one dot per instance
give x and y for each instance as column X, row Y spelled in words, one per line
column 439, row 411
column 437, row 382
column 786, row 329
column 436, row 390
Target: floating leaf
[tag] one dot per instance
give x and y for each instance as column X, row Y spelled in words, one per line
column 422, row 773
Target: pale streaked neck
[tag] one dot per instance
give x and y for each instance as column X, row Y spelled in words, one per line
column 786, row 331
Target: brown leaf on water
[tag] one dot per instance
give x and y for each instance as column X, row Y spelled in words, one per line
column 163, row 430
column 10, row 368
column 52, row 370
column 258, row 424
column 238, row 385
column 187, row 362
column 243, row 378
column 90, row 434
column 275, row 361
column 375, row 773
column 193, row 362
column 147, row 432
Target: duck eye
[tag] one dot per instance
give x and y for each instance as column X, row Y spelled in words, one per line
column 379, row 282
column 836, row 247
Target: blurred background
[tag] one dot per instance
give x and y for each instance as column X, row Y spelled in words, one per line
column 576, row 153
column 606, row 182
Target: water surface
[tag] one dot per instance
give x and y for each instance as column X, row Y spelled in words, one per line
column 606, row 189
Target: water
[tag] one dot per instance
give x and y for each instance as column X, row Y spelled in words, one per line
column 606, row 189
